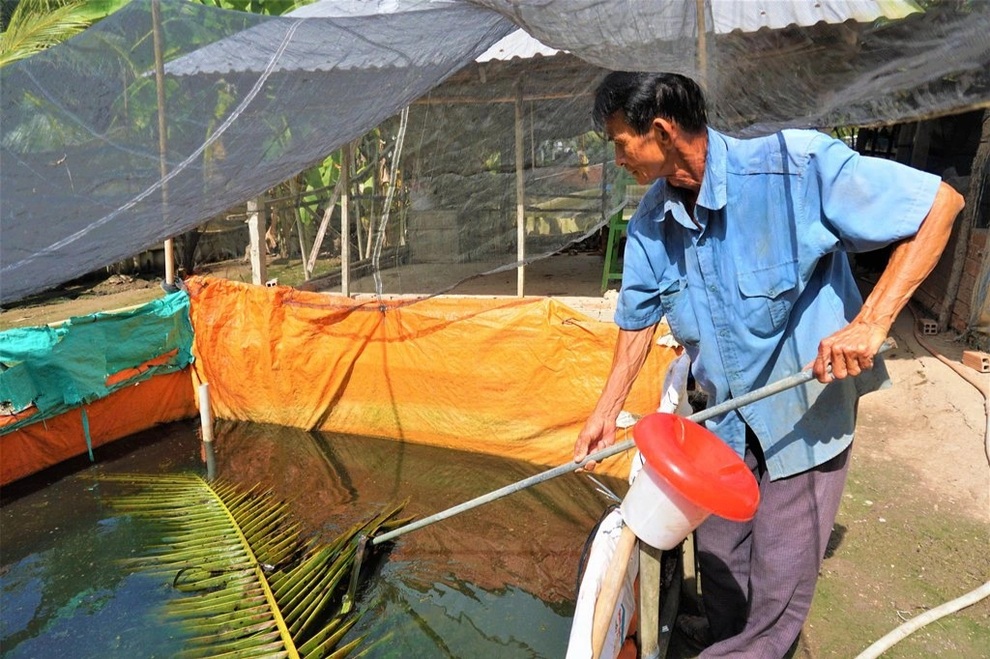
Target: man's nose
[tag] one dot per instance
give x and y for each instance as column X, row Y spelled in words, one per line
column 620, row 157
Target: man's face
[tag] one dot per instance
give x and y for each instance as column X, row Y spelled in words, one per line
column 641, row 155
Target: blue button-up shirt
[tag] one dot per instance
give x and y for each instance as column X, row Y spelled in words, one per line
column 752, row 289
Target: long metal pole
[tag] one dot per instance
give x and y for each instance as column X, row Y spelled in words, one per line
column 732, row 404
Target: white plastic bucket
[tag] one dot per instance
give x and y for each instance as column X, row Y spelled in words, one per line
column 657, row 513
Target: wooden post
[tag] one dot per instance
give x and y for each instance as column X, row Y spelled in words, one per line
column 701, row 57
column 689, row 570
column 256, row 230
column 608, row 596
column 156, row 29
column 294, row 200
column 922, row 141
column 604, row 188
column 169, row 262
column 532, row 136
column 345, row 233
column 520, row 195
column 325, row 222
column 358, row 227
column 905, row 142
column 649, row 601
column 376, row 186
column 302, row 245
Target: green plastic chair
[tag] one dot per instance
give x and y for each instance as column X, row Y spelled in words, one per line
column 632, row 194
column 613, row 254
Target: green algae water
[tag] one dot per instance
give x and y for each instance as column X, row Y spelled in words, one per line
column 63, row 592
column 496, row 581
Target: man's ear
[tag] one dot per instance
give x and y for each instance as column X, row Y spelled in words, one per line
column 663, row 130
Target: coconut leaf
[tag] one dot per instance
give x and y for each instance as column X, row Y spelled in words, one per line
column 252, row 586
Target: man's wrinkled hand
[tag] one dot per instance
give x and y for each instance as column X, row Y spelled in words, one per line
column 596, row 435
column 848, row 352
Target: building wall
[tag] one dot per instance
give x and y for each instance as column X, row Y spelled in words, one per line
column 934, row 290
column 945, row 146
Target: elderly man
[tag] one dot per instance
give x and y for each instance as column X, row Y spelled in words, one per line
column 741, row 245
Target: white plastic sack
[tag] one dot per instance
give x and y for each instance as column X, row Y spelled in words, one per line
column 673, row 400
column 602, row 550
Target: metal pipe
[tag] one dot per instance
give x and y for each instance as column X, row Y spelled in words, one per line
column 729, row 405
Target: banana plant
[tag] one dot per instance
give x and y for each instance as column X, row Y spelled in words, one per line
column 251, row 584
column 35, row 25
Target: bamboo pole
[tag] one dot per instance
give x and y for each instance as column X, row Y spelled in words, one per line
column 294, row 189
column 376, row 178
column 358, row 227
column 702, row 54
column 302, row 246
column 532, row 135
column 345, row 233
column 520, row 195
column 156, row 29
column 325, row 223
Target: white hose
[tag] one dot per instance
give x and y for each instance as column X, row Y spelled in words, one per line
column 970, row 598
column 918, row 622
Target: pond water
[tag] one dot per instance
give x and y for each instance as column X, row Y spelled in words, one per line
column 496, row 581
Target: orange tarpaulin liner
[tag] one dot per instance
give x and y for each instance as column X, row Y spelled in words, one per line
column 509, row 376
column 160, row 399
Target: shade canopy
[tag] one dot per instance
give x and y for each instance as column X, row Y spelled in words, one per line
column 250, row 101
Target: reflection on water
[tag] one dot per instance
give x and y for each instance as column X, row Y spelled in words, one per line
column 63, row 592
column 498, row 580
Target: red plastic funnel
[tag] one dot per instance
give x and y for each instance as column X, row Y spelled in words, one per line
column 698, row 465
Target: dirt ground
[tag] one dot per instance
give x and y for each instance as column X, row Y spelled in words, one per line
column 914, row 528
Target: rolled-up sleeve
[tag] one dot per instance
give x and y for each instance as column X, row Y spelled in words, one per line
column 868, row 202
column 639, row 299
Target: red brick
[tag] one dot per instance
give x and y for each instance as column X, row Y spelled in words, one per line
column 979, row 361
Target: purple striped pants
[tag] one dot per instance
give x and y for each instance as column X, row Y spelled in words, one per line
column 758, row 577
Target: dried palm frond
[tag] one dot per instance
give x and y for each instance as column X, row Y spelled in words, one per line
column 252, row 586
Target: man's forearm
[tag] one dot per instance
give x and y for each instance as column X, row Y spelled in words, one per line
column 850, row 351
column 631, row 350
column 911, row 261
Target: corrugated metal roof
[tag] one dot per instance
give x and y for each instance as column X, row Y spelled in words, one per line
column 518, row 44
column 752, row 15
column 345, row 36
column 340, row 8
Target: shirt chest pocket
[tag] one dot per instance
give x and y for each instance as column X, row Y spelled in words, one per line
column 680, row 314
column 767, row 296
